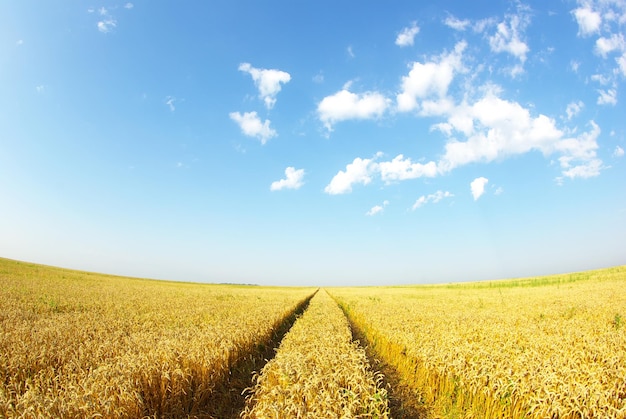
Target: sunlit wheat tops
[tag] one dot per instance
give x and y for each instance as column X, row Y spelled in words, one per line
column 85, row 345
column 318, row 372
column 554, row 347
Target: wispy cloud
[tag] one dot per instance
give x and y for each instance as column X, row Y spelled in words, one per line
column 268, row 81
column 377, row 209
column 478, row 187
column 574, row 109
column 107, row 22
column 456, row 24
column 618, row 152
column 509, row 38
column 607, row 97
column 407, row 36
column 431, row 199
column 169, row 101
column 252, row 126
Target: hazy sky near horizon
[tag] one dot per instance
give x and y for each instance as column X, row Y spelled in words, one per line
column 314, row 143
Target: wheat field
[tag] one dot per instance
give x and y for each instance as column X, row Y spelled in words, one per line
column 77, row 344
column 549, row 347
column 318, row 372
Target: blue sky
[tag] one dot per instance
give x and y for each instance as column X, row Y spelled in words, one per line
column 314, row 143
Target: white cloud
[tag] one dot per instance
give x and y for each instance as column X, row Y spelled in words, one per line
column 574, row 65
column 129, row 6
column 579, row 154
column 251, row 125
column 588, row 20
column 482, row 24
column 169, row 101
column 377, row 209
column 586, row 170
column 456, row 24
column 500, row 128
column 293, row 180
column 432, row 198
column 107, row 23
column 267, row 81
column 345, row 105
column 40, row 88
column 359, row 171
column 478, row 187
column 430, row 78
column 618, row 152
column 350, row 51
column 406, row 37
column 402, row 169
column 574, row 109
column 507, row 37
column 621, row 62
column 607, row 97
column 604, row 46
column 496, row 128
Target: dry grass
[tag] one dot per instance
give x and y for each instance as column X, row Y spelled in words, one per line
column 552, row 347
column 74, row 344
column 318, row 372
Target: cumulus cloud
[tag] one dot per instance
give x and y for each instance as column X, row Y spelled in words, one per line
column 377, row 209
column 432, row 198
column 588, row 20
column 606, row 20
column 401, row 168
column 456, row 24
column 574, row 109
column 407, row 36
column 618, row 152
column 129, row 6
column 252, row 126
column 345, row 105
column 293, row 180
column 267, row 81
column 430, row 79
column 478, row 187
column 605, row 45
column 359, row 171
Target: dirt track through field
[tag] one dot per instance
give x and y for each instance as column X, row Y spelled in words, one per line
column 229, row 399
column 403, row 402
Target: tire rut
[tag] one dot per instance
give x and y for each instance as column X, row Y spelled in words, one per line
column 229, row 396
column 403, row 401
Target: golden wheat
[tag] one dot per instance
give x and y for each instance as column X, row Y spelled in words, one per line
column 318, row 372
column 74, row 344
column 552, row 347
